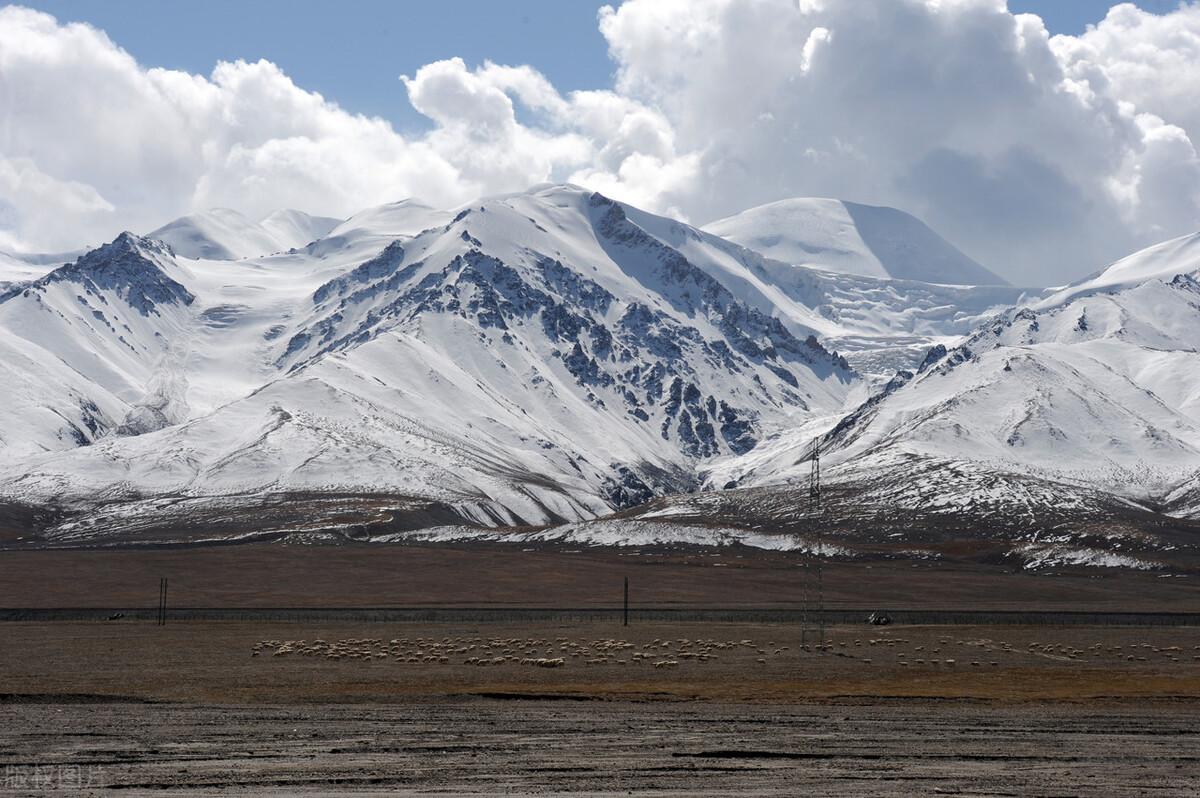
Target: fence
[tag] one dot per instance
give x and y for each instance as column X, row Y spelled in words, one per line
column 483, row 615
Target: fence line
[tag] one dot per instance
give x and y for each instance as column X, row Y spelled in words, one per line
column 608, row 614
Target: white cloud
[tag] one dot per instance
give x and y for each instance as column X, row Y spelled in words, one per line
column 1149, row 60
column 477, row 125
column 1150, row 65
column 1043, row 157
column 92, row 142
column 44, row 200
column 1032, row 160
column 144, row 145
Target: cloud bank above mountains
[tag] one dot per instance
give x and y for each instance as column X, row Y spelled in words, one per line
column 1043, row 157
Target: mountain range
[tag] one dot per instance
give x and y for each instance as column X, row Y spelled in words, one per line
column 557, row 360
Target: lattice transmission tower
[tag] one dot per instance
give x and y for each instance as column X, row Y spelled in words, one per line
column 814, row 587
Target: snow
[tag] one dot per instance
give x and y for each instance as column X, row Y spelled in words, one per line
column 217, row 234
column 224, row 234
column 850, row 238
column 1038, row 557
column 818, row 275
column 1159, row 262
column 14, row 269
column 405, row 218
column 370, row 230
column 1098, row 392
column 640, row 533
column 293, row 229
column 622, row 533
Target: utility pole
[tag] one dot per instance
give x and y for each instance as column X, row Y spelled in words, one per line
column 161, row 619
column 814, row 476
column 805, row 576
column 625, row 618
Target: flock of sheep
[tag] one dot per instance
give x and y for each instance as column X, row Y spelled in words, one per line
column 662, row 653
column 1054, row 651
column 536, row 652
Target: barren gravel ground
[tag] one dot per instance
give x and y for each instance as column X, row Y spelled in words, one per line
column 543, row 747
column 258, row 707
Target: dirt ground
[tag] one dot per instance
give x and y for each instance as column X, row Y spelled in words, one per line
column 602, row 748
column 669, row 708
column 381, row 575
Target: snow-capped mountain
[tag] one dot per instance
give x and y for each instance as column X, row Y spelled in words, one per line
column 224, row 234
column 849, row 238
column 1085, row 399
column 538, row 356
column 554, row 356
column 1065, row 433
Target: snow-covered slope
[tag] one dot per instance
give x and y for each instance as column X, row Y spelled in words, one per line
column 875, row 283
column 849, row 238
column 217, row 234
column 26, row 267
column 223, row 234
column 1103, row 389
column 880, row 324
column 372, row 229
column 14, row 270
column 1161, row 261
column 1093, row 392
column 293, row 229
column 88, row 348
column 537, row 356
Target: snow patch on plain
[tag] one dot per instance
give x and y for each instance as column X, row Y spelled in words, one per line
column 1040, row 556
column 621, row 533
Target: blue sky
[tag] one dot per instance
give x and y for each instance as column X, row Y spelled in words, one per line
column 354, row 52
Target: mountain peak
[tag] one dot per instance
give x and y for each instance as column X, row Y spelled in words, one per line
column 406, row 217
column 217, row 234
column 852, row 238
column 132, row 242
column 129, row 265
column 1162, row 261
column 293, row 229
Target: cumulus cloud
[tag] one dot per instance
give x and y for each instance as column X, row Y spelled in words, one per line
column 1042, row 156
column 1021, row 148
column 1149, row 60
column 107, row 144
column 91, row 142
